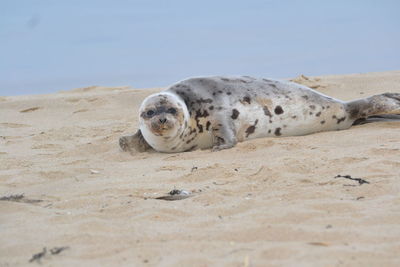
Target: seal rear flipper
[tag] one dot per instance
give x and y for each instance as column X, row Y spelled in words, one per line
column 388, row 103
column 377, row 118
column 134, row 142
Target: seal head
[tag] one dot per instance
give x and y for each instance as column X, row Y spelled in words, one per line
column 162, row 119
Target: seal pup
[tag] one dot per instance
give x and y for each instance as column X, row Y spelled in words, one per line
column 217, row 112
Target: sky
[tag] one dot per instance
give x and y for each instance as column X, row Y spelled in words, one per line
column 47, row 46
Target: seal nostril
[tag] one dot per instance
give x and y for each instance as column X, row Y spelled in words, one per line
column 164, row 120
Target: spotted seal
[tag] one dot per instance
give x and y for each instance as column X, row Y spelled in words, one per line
column 217, row 112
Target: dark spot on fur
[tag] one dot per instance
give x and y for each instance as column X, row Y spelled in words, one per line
column 219, row 108
column 251, row 129
column 305, row 97
column 318, row 114
column 273, row 85
column 247, row 99
column 225, row 79
column 312, row 107
column 211, row 107
column 208, row 124
column 355, row 112
column 269, row 131
column 278, row 110
column 311, row 113
column 228, row 93
column 201, row 100
column 205, row 114
column 266, row 111
column 266, row 80
column 328, row 106
column 341, row 119
column 214, row 93
column 322, row 122
column 235, row 114
column 294, row 117
column 192, row 130
column 198, row 115
column 278, row 131
column 190, row 140
column 220, row 91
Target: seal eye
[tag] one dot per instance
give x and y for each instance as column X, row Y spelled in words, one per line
column 172, row 111
column 150, row 113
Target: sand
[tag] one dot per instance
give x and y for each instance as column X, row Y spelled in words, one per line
column 266, row 202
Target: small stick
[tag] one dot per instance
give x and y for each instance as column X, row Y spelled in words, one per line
column 359, row 180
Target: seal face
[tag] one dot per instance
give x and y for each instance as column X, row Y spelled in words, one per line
column 217, row 112
column 162, row 119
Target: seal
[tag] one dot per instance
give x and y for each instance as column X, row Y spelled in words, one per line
column 217, row 112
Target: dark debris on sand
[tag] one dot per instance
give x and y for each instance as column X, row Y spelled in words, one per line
column 54, row 251
column 359, row 180
column 175, row 195
column 19, row 198
column 38, row 256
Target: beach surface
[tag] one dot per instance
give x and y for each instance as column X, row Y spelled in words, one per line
column 71, row 197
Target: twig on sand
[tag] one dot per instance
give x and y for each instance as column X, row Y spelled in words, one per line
column 19, row 198
column 359, row 180
column 38, row 256
column 16, row 197
column 54, row 251
column 57, row 250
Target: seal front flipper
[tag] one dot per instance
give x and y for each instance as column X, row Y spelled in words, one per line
column 134, row 142
column 223, row 136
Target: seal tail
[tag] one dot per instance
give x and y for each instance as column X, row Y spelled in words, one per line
column 377, row 105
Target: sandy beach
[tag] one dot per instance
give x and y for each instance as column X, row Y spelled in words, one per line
column 66, row 186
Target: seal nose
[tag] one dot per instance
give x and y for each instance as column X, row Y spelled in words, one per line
column 163, row 120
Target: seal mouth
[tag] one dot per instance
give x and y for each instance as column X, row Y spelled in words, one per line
column 160, row 128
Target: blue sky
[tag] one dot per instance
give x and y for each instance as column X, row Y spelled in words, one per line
column 47, row 46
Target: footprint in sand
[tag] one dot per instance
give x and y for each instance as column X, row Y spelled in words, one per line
column 29, row 109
